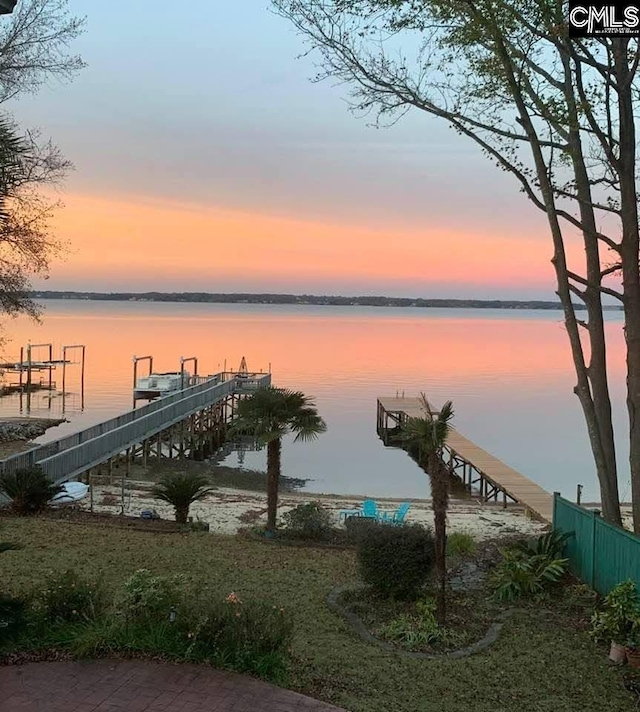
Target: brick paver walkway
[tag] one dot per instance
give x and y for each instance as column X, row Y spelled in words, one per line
column 137, row 686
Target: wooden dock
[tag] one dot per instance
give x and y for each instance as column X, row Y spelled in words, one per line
column 185, row 422
column 482, row 473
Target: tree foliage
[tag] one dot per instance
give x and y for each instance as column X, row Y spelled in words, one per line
column 33, row 51
column 268, row 415
column 181, row 490
column 557, row 114
column 426, row 437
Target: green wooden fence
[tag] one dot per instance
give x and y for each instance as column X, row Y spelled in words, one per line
column 599, row 554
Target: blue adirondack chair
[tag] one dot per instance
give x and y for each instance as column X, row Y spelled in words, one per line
column 346, row 513
column 398, row 516
column 370, row 509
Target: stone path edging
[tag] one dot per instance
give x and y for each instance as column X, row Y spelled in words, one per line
column 356, row 623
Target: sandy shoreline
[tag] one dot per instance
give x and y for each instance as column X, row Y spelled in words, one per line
column 227, row 510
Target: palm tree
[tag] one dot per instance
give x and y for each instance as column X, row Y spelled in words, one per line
column 182, row 489
column 270, row 414
column 426, row 437
column 29, row 490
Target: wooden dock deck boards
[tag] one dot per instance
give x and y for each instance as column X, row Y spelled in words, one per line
column 520, row 488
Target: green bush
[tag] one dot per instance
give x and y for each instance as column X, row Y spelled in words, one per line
column 550, row 545
column 357, row 528
column 241, row 634
column 146, row 597
column 396, row 560
column 12, row 617
column 520, row 575
column 420, row 630
column 619, row 613
column 67, row 598
column 29, row 490
column 460, row 544
column 309, row 521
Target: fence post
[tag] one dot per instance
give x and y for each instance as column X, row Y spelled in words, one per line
column 554, row 517
column 592, row 563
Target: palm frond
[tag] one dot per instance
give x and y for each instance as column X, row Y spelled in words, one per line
column 428, row 433
column 271, row 413
column 180, row 489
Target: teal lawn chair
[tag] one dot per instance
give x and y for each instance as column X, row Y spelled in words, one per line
column 398, row 516
column 369, row 509
column 346, row 513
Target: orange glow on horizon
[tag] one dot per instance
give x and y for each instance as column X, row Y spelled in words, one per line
column 128, row 238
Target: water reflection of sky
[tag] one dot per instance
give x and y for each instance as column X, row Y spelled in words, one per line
column 508, row 373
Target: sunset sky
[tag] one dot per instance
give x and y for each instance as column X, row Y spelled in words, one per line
column 207, row 161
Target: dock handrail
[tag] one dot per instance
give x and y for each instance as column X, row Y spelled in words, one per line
column 130, row 427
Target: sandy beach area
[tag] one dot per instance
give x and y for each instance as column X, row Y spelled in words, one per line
column 227, row 510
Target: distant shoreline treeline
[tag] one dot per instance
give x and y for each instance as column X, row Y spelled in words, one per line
column 365, row 301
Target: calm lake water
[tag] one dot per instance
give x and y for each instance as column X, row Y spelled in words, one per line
column 508, row 374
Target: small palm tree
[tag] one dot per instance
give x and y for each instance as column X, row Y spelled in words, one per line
column 30, row 490
column 270, row 414
column 426, row 437
column 182, row 489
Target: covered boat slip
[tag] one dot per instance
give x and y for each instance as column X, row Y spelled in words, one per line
column 482, row 473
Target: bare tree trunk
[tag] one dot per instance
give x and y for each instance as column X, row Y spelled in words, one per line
column 607, row 479
column 439, row 500
column 182, row 514
column 274, row 449
column 603, row 442
column 629, row 258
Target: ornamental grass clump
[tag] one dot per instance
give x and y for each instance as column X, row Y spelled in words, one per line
column 420, row 630
column 395, row 561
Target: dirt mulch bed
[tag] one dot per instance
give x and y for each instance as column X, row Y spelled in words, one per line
column 104, row 519
column 469, row 615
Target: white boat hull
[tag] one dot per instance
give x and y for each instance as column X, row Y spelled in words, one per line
column 71, row 492
column 157, row 385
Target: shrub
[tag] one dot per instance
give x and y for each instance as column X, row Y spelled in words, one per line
column 520, row 575
column 396, row 560
column 619, row 612
column 181, row 490
column 309, row 521
column 358, row 528
column 148, row 598
column 68, row 598
column 419, row 630
column 29, row 490
column 549, row 545
column 248, row 636
column 12, row 617
column 460, row 544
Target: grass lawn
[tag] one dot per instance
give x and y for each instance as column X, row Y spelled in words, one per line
column 539, row 664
